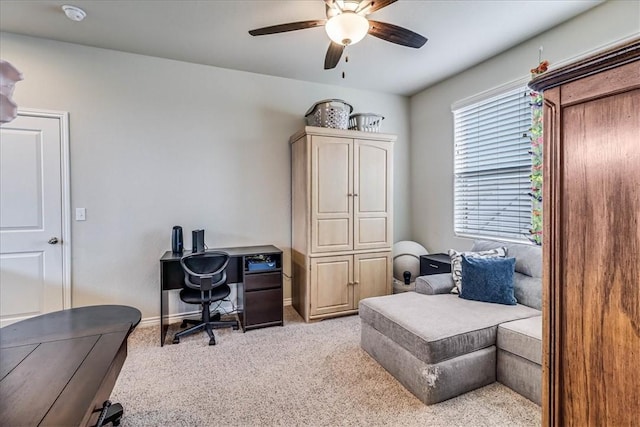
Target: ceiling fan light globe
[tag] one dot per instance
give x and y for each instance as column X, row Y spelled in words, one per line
column 347, row 28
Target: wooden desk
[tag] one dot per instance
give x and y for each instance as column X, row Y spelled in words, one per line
column 260, row 297
column 59, row 368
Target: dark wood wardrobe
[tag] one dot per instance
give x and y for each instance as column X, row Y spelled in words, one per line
column 591, row 241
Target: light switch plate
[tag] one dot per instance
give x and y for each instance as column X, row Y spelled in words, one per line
column 81, row 214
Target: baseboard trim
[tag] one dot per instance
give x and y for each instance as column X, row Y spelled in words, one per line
column 287, row 301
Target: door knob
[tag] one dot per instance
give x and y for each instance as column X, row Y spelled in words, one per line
column 53, row 241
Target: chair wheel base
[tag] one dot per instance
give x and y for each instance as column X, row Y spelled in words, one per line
column 183, row 324
column 110, row 414
column 212, row 341
column 176, row 340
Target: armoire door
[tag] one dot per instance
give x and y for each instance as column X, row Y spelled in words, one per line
column 331, row 194
column 372, row 195
column 331, row 284
column 371, row 275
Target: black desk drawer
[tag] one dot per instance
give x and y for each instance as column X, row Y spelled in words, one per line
column 434, row 264
column 257, row 281
column 263, row 307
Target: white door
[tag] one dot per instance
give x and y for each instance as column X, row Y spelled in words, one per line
column 31, row 218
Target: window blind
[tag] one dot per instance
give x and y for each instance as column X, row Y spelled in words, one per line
column 492, row 167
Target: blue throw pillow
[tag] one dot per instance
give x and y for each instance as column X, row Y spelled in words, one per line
column 488, row 279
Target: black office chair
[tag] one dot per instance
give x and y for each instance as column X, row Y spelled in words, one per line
column 204, row 283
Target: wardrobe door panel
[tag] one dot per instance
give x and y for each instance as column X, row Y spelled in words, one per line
column 331, row 194
column 331, row 284
column 373, row 188
column 601, row 245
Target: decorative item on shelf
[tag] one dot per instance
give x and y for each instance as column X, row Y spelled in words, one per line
column 260, row 263
column 366, row 122
column 329, row 113
column 536, row 157
column 541, row 68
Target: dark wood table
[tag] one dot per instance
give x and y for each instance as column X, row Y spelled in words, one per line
column 59, row 368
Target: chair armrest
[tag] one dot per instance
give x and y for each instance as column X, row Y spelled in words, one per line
column 434, row 284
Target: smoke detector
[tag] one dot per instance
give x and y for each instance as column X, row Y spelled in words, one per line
column 74, row 13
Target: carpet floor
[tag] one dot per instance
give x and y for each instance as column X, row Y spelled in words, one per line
column 300, row 374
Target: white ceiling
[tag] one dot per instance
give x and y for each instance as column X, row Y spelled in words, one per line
column 214, row 32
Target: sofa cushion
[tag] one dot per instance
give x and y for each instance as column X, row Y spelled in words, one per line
column 435, row 284
column 523, row 338
column 521, row 375
column 456, row 263
column 528, row 257
column 488, row 280
column 527, row 286
column 438, row 327
column 527, row 290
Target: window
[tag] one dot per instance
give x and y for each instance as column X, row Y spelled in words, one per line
column 492, row 167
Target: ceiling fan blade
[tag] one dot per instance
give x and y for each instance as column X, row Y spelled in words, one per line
column 291, row 26
column 333, row 55
column 394, row 34
column 375, row 5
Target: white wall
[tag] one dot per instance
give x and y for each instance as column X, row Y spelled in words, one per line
column 156, row 143
column 432, row 120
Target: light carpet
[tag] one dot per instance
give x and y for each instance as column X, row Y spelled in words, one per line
column 300, row 374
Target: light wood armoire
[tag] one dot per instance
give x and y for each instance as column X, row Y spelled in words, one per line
column 342, row 219
column 591, row 241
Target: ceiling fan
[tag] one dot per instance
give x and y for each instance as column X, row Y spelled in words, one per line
column 347, row 24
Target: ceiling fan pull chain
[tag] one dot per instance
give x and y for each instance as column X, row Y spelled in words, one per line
column 346, row 59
